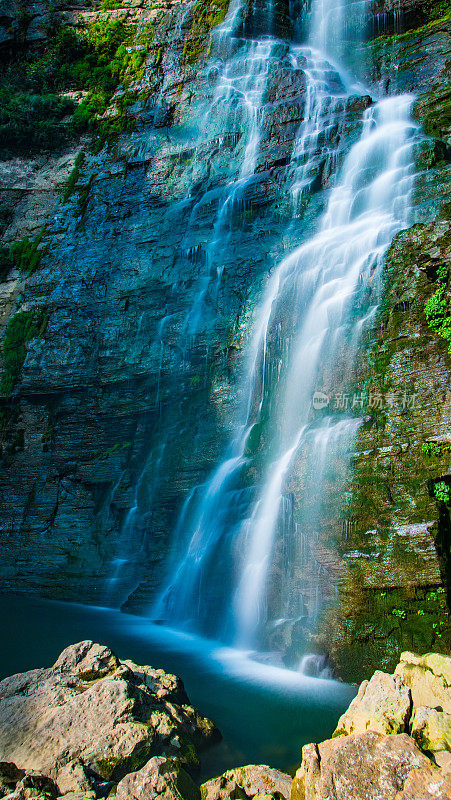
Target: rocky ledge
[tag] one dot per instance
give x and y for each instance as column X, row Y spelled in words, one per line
column 393, row 742
column 93, row 726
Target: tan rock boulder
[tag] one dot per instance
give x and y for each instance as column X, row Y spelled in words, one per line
column 368, row 766
column 78, row 796
column 160, row 778
column 431, row 730
column 424, row 784
column 370, row 756
column 382, row 704
column 252, row 781
column 16, row 784
column 73, row 778
column 92, row 708
column 429, row 679
column 87, row 660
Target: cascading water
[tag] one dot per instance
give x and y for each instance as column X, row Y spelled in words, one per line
column 318, row 301
column 244, row 76
column 328, row 276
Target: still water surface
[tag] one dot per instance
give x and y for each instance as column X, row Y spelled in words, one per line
column 265, row 713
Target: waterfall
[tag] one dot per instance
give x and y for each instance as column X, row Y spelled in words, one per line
column 318, row 302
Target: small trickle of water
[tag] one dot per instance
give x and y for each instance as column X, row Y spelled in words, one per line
column 238, row 102
column 315, row 666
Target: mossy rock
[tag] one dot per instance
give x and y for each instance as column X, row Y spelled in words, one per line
column 206, row 15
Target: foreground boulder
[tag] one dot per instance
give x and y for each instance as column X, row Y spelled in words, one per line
column 93, row 718
column 393, row 742
column 93, row 726
column 367, row 766
column 431, row 729
column 429, row 679
column 247, row 783
column 16, row 784
column 160, row 777
column 383, row 704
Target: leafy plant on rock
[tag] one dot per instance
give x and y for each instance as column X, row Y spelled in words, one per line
column 437, row 308
column 435, row 448
column 73, row 177
column 26, row 254
column 442, row 492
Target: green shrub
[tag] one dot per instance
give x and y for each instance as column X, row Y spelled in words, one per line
column 21, row 328
column 442, row 492
column 110, row 64
column 73, row 177
column 26, row 255
column 32, row 121
column 94, row 60
column 436, row 308
column 435, row 448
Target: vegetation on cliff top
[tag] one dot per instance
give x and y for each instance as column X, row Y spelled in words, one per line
column 38, row 88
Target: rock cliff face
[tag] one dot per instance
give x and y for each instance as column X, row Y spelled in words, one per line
column 111, row 413
column 394, row 546
column 115, row 403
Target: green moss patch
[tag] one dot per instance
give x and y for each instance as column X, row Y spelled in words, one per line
column 434, row 109
column 206, row 15
column 375, row 626
column 21, row 328
column 436, row 17
column 113, row 768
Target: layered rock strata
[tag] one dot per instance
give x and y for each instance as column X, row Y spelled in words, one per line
column 115, row 416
